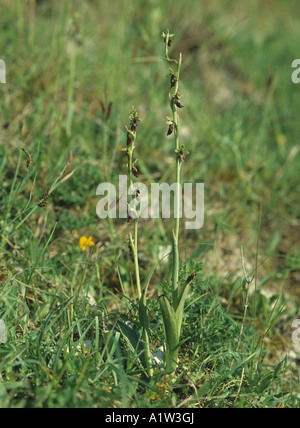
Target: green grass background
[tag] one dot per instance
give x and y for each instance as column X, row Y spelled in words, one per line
column 65, row 59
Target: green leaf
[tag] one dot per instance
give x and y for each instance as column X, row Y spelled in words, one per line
column 171, row 332
column 180, row 307
column 182, row 295
column 203, row 390
column 131, row 336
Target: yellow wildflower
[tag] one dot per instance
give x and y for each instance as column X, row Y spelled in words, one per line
column 86, row 242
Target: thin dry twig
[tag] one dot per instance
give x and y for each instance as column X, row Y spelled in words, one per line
column 240, row 386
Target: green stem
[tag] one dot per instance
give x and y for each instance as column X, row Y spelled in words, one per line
column 143, row 316
column 134, row 240
column 172, row 312
column 176, row 260
column 136, row 260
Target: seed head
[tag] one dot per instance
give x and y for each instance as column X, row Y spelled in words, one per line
column 44, row 201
